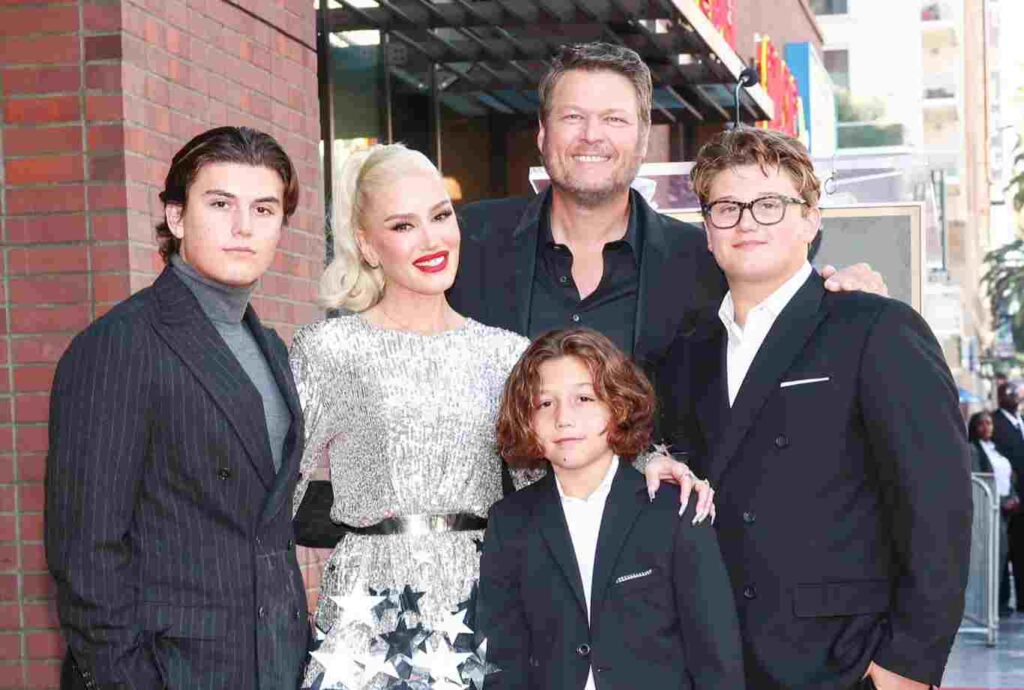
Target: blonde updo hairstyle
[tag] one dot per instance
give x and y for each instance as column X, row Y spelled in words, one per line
column 350, row 281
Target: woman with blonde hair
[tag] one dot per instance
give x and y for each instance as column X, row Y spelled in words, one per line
column 400, row 398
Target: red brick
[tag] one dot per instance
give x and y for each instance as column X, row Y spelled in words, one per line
column 32, row 527
column 44, row 169
column 39, row 348
column 50, row 228
column 31, row 467
column 111, row 288
column 10, row 649
column 6, row 464
column 33, row 407
column 47, row 50
column 66, row 289
column 102, row 16
column 44, row 645
column 44, row 675
column 49, row 320
column 8, row 528
column 7, row 499
column 28, row 260
column 32, row 439
column 28, row 141
column 41, row 79
column 54, row 19
column 8, row 557
column 107, row 168
column 41, row 110
column 103, row 108
column 103, row 77
column 107, row 197
column 33, row 379
column 42, row 614
column 32, row 497
column 6, row 406
column 54, row 199
column 39, row 586
column 10, row 616
column 109, row 226
column 103, row 47
column 6, row 439
column 106, row 138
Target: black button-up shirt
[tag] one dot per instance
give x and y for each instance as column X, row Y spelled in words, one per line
column 610, row 309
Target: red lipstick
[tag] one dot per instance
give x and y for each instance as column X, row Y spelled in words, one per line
column 427, row 263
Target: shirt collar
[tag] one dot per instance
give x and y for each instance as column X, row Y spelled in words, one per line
column 773, row 304
column 1014, row 418
column 602, row 490
column 631, row 238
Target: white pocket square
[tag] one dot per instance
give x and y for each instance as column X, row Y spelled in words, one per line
column 802, row 382
column 634, row 576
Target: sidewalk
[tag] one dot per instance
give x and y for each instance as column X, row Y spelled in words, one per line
column 973, row 666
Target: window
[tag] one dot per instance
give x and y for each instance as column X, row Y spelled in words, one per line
column 829, row 6
column 837, row 63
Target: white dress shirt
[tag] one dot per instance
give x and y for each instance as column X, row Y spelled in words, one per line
column 746, row 340
column 1000, row 467
column 583, row 516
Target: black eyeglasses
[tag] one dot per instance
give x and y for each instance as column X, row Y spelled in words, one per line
column 766, row 210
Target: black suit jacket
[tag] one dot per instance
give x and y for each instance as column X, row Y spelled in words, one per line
column 498, row 259
column 844, row 506
column 167, row 529
column 1009, row 442
column 662, row 613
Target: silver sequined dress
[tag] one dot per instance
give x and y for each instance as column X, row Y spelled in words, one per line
column 407, row 425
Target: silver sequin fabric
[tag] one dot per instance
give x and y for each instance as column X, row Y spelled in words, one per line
column 406, row 422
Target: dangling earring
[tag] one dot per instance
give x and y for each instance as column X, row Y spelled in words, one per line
column 373, row 267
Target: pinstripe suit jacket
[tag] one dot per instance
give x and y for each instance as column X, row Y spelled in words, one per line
column 167, row 529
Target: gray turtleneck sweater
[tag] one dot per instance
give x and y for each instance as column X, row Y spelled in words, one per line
column 225, row 306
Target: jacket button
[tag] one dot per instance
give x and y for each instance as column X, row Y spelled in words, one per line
column 298, row 614
column 261, row 612
column 750, row 592
column 781, row 441
column 291, row 544
column 224, row 473
column 583, row 649
column 749, row 517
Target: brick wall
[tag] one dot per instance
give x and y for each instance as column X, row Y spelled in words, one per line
column 96, row 96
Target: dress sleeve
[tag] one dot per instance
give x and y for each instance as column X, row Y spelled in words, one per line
column 312, row 398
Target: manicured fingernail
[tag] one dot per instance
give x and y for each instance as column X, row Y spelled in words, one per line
column 681, row 510
column 650, row 495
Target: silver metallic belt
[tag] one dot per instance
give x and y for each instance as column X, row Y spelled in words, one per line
column 423, row 524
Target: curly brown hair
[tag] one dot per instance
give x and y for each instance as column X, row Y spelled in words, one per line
column 618, row 383
column 754, row 146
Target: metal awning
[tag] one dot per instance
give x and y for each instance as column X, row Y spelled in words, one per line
column 488, row 55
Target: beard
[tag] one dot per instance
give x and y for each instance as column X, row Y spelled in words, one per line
column 592, row 194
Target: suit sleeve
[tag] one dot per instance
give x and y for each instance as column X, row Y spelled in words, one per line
column 707, row 612
column 918, row 443
column 676, row 416
column 99, row 431
column 501, row 617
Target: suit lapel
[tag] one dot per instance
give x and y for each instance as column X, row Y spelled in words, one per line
column 277, row 358
column 555, row 531
column 710, row 389
column 186, row 330
column 524, row 251
column 660, row 288
column 625, row 501
column 785, row 341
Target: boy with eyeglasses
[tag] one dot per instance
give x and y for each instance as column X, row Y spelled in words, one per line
column 829, row 423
